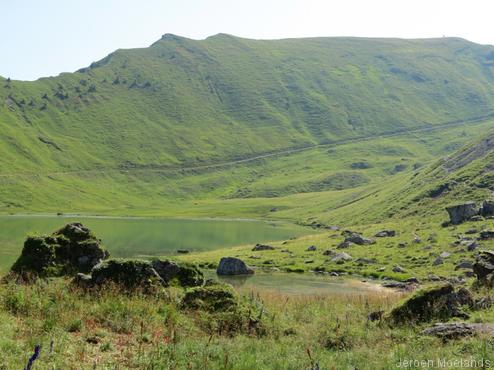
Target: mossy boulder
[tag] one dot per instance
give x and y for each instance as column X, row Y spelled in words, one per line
column 68, row 251
column 135, row 274
column 212, row 297
column 178, row 274
column 437, row 303
column 129, row 274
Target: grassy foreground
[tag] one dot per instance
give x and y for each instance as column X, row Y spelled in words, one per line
column 113, row 331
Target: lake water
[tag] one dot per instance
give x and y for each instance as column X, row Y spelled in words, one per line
column 134, row 237
column 302, row 284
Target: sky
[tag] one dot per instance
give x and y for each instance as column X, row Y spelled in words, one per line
column 44, row 38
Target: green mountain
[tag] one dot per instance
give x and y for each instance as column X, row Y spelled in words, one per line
column 105, row 136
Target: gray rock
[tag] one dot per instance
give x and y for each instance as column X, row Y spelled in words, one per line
column 472, row 246
column 486, row 234
column 487, row 208
column 366, row 261
column 464, row 265
column 233, row 266
column 344, row 244
column 445, row 254
column 358, row 239
column 329, row 252
column 438, row 261
column 484, row 266
column 398, row 269
column 341, row 257
column 312, row 248
column 186, row 275
column 262, row 247
column 462, row 212
column 385, row 234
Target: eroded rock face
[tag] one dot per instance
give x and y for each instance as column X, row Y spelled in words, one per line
column 68, row 251
column 233, row 266
column 441, row 302
column 462, row 212
column 484, row 267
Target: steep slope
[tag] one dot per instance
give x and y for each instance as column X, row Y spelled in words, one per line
column 185, row 102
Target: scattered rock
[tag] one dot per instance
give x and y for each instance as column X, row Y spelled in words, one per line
column 366, row 261
column 312, row 248
column 183, row 251
column 262, row 247
column 402, row 245
column 464, row 265
column 341, row 257
column 233, row 266
column 376, row 316
column 462, row 212
column 385, row 234
column 450, row 330
column 334, row 274
column 416, row 240
column 344, row 244
column 487, row 208
column 471, row 231
column 67, row 251
column 486, row 234
column 358, row 239
column 412, row 280
column 398, row 269
column 399, row 285
column 483, row 303
column 484, row 267
column 329, row 252
column 445, row 254
column 472, row 246
column 440, row 302
column 438, row 261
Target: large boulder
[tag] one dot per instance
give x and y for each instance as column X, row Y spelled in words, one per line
column 487, row 208
column 484, row 267
column 127, row 274
column 462, row 212
column 441, row 302
column 357, row 239
column 233, row 266
column 68, row 251
column 181, row 274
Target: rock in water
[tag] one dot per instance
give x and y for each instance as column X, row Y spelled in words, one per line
column 233, row 266
column 68, row 251
column 462, row 212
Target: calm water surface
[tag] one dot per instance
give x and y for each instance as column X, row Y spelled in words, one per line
column 132, row 237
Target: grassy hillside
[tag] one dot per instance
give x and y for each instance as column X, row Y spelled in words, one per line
column 116, row 124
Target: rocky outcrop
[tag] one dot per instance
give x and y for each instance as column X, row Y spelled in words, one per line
column 462, row 212
column 441, row 302
column 134, row 274
column 470, row 211
column 356, row 238
column 68, row 251
column 458, row 330
column 233, row 266
column 484, row 268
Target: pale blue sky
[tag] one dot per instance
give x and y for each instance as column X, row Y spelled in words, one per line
column 43, row 38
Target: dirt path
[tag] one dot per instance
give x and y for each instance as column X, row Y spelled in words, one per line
column 280, row 153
